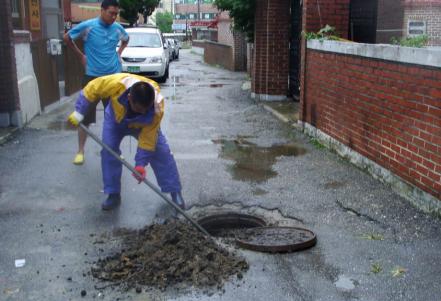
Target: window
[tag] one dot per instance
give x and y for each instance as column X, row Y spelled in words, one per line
column 416, row 28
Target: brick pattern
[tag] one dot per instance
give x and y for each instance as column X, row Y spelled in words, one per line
column 388, row 112
column 8, row 72
column 333, row 12
column 219, row 54
column 431, row 14
column 239, row 51
column 389, row 20
column 271, row 45
column 225, row 36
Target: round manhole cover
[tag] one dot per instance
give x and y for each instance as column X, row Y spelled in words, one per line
column 277, row 239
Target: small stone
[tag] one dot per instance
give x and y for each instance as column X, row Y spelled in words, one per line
column 138, row 289
column 83, row 293
column 69, row 278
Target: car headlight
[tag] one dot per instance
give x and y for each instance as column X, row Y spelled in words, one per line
column 156, row 60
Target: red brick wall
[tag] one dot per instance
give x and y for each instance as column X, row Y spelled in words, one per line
column 8, row 71
column 219, row 54
column 388, row 112
column 332, row 12
column 389, row 20
column 240, row 52
column 271, row 57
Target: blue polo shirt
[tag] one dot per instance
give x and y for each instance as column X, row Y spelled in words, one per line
column 100, row 42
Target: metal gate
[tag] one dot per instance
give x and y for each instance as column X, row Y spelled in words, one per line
column 294, row 49
column 73, row 69
column 45, row 67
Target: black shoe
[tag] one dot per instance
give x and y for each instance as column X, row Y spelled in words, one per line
column 112, row 201
column 178, row 199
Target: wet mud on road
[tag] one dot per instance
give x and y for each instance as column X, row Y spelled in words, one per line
column 173, row 254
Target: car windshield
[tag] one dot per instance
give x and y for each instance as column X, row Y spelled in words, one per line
column 143, row 39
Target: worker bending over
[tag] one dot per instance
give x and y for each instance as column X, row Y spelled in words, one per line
column 136, row 109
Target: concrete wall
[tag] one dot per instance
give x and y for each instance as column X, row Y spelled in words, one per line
column 381, row 101
column 27, row 82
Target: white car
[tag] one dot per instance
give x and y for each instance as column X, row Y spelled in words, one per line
column 146, row 54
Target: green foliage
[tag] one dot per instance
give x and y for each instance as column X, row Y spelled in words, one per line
column 242, row 13
column 326, row 33
column 376, row 268
column 418, row 41
column 131, row 8
column 164, row 21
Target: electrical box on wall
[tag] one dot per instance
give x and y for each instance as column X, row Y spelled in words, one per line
column 54, row 46
column 416, row 28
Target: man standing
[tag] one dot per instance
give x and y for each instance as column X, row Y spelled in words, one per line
column 101, row 36
column 136, row 109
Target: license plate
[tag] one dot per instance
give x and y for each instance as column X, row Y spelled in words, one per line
column 132, row 68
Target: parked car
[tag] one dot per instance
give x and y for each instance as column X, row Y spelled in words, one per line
column 177, row 47
column 169, row 49
column 174, row 48
column 146, row 54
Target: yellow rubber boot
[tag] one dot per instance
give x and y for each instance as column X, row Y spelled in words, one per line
column 79, row 159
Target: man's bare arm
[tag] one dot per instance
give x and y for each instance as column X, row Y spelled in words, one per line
column 123, row 45
column 71, row 44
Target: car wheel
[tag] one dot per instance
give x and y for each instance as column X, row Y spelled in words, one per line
column 163, row 78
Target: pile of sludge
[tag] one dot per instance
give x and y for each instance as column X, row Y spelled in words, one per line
column 165, row 255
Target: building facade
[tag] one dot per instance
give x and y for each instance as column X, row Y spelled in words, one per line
column 196, row 16
column 423, row 17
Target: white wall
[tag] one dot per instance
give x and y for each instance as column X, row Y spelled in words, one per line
column 27, row 85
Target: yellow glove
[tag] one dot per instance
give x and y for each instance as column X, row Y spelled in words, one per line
column 75, row 118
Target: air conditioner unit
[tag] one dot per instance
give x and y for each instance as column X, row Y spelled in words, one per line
column 416, row 28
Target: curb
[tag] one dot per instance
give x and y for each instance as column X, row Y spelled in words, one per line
column 6, row 136
column 275, row 113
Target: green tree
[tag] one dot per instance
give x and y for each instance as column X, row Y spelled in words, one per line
column 164, row 21
column 131, row 8
column 242, row 13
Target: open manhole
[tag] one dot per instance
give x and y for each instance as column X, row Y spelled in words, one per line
column 229, row 224
column 251, row 232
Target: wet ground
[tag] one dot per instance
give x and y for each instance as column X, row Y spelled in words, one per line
column 232, row 155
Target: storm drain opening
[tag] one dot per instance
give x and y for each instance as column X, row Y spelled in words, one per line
column 253, row 233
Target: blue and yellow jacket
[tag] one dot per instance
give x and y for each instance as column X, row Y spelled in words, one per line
column 115, row 87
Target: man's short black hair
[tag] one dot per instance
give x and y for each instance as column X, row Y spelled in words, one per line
column 106, row 3
column 143, row 94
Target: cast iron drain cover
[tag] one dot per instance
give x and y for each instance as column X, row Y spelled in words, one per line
column 277, row 239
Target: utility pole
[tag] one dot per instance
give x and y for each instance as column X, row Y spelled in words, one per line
column 199, row 9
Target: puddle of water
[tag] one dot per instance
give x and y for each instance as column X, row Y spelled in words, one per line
column 254, row 163
column 61, row 125
column 345, row 283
